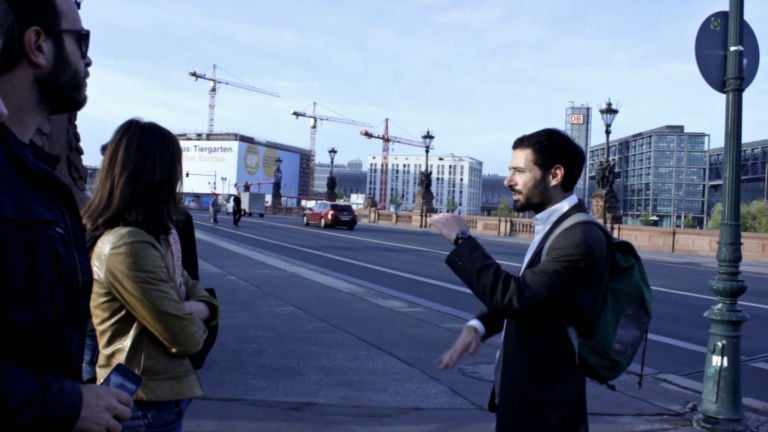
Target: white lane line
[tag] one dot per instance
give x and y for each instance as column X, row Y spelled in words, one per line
column 683, row 293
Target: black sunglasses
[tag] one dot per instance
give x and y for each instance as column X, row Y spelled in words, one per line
column 83, row 38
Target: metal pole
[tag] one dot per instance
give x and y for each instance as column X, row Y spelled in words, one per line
column 607, row 164
column 721, row 407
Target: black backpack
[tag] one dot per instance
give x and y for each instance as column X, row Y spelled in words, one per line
column 624, row 312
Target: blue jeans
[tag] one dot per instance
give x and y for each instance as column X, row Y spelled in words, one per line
column 157, row 416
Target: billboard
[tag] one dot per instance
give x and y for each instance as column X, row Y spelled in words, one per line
column 218, row 166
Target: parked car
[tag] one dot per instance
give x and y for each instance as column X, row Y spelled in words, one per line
column 231, row 205
column 330, row 214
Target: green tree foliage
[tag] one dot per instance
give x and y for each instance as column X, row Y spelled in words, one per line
column 504, row 209
column 451, row 205
column 396, row 200
column 645, row 219
column 754, row 216
column 689, row 222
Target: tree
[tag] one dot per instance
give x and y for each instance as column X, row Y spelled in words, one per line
column 451, row 205
column 645, row 219
column 689, row 222
column 754, row 216
column 396, row 200
column 504, row 209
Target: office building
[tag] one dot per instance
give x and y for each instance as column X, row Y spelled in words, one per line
column 350, row 178
column 455, row 180
column 661, row 173
column 753, row 172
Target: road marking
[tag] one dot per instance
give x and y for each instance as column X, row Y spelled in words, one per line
column 683, row 293
column 361, row 288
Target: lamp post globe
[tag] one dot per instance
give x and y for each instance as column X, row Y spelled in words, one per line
column 605, row 174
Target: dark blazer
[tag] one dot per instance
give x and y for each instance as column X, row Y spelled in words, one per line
column 541, row 386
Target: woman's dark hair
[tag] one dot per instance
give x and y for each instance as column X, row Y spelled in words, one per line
column 138, row 182
column 552, row 147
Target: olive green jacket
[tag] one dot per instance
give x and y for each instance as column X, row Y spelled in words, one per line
column 139, row 314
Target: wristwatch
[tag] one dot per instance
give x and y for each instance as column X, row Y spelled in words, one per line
column 461, row 235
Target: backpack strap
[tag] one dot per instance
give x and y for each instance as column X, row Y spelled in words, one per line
column 570, row 221
column 562, row 226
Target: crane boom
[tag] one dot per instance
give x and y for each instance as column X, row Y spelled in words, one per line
column 212, row 91
column 314, row 117
column 386, row 138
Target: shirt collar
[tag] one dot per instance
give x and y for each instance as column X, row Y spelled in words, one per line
column 545, row 219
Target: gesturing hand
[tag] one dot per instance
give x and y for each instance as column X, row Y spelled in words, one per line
column 468, row 341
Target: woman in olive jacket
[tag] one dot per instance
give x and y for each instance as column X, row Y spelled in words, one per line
column 148, row 313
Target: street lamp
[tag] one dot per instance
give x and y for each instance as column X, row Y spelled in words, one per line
column 224, row 183
column 605, row 170
column 608, row 113
column 426, row 197
column 427, row 138
column 330, row 194
column 332, row 153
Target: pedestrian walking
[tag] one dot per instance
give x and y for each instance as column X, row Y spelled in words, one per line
column 538, row 384
column 237, row 209
column 213, row 208
column 147, row 311
column 47, row 276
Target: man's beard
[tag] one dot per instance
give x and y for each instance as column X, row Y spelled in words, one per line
column 62, row 90
column 536, row 199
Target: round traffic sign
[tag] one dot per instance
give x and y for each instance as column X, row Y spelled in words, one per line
column 712, row 49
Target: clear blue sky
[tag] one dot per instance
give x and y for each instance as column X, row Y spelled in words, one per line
column 478, row 74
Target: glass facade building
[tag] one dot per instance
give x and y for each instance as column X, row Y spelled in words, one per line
column 661, row 173
column 753, row 172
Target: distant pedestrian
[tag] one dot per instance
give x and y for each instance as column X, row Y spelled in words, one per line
column 213, row 208
column 237, row 209
column 538, row 384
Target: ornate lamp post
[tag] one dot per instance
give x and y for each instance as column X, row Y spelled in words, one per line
column 424, row 202
column 605, row 202
column 277, row 197
column 330, row 194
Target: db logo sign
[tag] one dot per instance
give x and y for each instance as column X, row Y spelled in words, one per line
column 576, row 119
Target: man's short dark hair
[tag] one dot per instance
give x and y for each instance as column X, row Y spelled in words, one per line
column 552, row 147
column 16, row 17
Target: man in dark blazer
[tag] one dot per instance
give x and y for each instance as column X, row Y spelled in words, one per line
column 538, row 384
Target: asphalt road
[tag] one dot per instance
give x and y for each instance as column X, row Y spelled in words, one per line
column 408, row 264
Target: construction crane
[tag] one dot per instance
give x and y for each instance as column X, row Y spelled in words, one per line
column 386, row 138
column 313, row 118
column 212, row 91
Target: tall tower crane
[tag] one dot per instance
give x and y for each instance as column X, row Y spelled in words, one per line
column 212, row 91
column 386, row 138
column 313, row 118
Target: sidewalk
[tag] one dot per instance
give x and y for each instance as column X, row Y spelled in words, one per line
column 304, row 356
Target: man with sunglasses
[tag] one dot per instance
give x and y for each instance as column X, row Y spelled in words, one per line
column 43, row 257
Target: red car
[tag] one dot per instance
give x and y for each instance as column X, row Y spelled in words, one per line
column 330, row 214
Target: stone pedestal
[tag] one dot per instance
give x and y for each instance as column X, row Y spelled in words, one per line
column 330, row 193
column 424, row 203
column 605, row 207
column 424, row 207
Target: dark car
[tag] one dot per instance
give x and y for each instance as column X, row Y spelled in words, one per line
column 330, row 214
